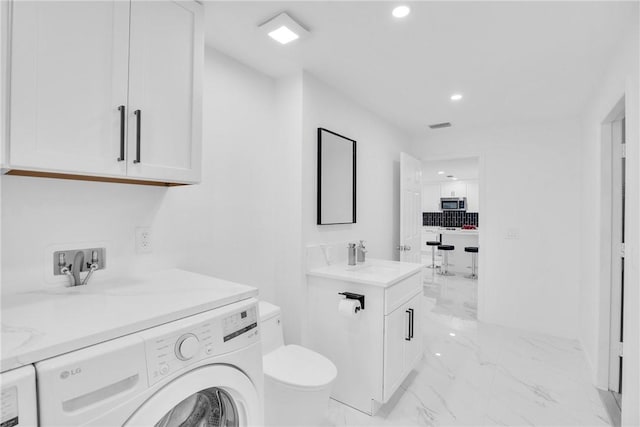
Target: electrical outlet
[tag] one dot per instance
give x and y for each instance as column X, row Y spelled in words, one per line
column 143, row 240
column 512, row 234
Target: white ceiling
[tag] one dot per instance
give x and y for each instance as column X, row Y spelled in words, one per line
column 513, row 61
column 465, row 168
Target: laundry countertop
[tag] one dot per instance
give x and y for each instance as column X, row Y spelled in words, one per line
column 41, row 324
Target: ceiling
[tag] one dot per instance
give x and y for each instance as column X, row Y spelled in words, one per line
column 514, row 62
column 462, row 168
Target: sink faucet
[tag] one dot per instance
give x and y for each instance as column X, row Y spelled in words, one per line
column 76, row 267
column 73, row 270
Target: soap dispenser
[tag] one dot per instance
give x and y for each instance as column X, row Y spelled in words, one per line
column 361, row 250
column 351, row 250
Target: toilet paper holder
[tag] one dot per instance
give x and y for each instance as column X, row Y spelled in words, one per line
column 351, row 295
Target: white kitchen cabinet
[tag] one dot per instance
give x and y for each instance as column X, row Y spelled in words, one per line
column 375, row 350
column 473, row 196
column 84, row 74
column 453, row 189
column 431, row 197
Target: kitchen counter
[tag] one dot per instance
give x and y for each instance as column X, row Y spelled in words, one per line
column 376, row 272
column 41, row 324
column 458, row 230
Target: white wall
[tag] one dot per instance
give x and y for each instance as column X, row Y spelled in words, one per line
column 621, row 79
column 377, row 171
column 529, row 184
column 223, row 227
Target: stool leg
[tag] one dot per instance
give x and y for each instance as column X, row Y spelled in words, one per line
column 445, row 265
column 474, row 264
column 433, row 257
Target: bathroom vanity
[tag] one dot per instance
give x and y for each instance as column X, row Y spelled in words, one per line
column 375, row 348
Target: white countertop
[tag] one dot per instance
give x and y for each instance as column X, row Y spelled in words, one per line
column 42, row 324
column 458, row 230
column 376, row 272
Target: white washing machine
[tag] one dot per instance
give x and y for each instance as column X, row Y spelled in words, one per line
column 202, row 370
column 19, row 397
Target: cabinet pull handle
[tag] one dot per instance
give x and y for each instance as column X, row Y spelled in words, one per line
column 408, row 337
column 122, row 119
column 411, row 324
column 138, row 114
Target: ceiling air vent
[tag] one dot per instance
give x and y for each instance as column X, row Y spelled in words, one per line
column 440, row 125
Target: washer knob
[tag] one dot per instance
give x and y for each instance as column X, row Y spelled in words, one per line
column 187, row 346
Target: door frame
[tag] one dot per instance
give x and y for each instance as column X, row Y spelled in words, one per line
column 606, row 236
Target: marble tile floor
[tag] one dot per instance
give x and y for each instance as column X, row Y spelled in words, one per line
column 475, row 374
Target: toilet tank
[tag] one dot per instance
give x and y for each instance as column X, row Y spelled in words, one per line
column 270, row 327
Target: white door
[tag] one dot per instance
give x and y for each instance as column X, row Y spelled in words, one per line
column 69, row 65
column 410, row 208
column 214, row 395
column 165, row 90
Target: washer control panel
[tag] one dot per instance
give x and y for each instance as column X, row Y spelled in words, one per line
column 178, row 344
column 239, row 323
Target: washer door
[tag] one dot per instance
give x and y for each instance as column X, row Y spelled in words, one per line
column 210, row 396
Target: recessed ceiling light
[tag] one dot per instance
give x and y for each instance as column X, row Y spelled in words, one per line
column 283, row 35
column 401, row 11
column 456, row 97
column 452, row 334
column 440, row 172
column 283, row 29
column 454, row 178
column 438, row 354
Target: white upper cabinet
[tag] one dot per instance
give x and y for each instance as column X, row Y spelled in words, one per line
column 453, row 189
column 165, row 90
column 473, row 196
column 431, row 197
column 84, row 74
column 68, row 67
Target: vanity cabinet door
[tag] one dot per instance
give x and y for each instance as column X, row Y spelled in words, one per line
column 414, row 347
column 396, row 334
column 165, row 90
column 68, row 78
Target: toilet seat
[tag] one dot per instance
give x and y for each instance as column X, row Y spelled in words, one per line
column 300, row 367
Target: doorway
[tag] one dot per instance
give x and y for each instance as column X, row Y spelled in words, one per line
column 451, row 216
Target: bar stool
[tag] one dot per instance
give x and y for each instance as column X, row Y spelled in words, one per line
column 444, row 270
column 433, row 243
column 473, row 250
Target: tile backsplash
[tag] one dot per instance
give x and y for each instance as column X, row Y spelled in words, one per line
column 449, row 219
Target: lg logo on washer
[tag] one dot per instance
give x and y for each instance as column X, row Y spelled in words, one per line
column 66, row 374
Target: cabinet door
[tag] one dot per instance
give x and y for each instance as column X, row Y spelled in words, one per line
column 69, row 65
column 453, row 189
column 165, row 86
column 473, row 196
column 396, row 333
column 414, row 347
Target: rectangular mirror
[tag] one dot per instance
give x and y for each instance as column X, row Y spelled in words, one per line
column 336, row 178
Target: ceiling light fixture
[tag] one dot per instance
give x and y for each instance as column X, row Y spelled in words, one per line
column 440, row 172
column 283, row 29
column 452, row 334
column 454, row 178
column 401, row 11
column 456, row 97
column 438, row 354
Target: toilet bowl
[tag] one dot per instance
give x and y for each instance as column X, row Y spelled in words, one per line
column 297, row 381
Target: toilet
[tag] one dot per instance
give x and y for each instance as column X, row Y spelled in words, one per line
column 297, row 381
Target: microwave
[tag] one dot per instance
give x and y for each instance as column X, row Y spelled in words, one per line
column 453, row 204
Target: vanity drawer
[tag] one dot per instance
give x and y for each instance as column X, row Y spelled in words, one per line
column 401, row 292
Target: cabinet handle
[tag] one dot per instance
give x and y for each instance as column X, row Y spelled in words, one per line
column 411, row 324
column 408, row 337
column 122, row 119
column 138, row 114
